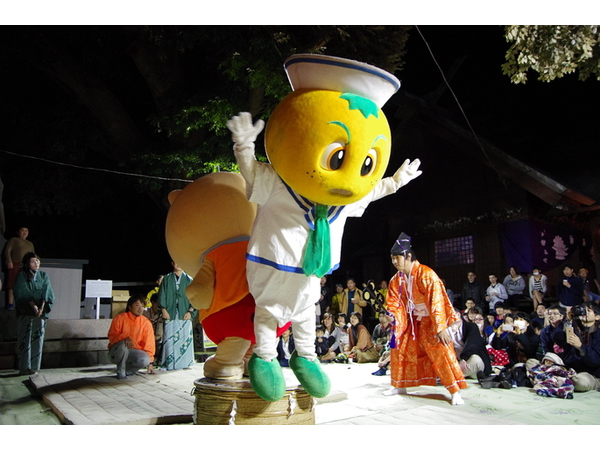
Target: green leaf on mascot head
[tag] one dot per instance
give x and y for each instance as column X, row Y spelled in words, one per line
column 364, row 105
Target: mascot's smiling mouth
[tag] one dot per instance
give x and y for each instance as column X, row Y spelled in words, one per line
column 342, row 192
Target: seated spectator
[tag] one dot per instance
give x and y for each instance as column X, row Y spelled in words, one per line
column 343, row 325
column 285, row 347
column 551, row 378
column 332, row 334
column 383, row 363
column 361, row 345
column 503, row 329
column 552, row 337
column 131, row 344
column 515, row 285
column 382, row 332
column 321, row 343
column 537, row 287
column 470, row 347
column 500, row 314
column 498, row 349
column 469, row 303
column 539, row 315
column 537, row 328
column 590, row 289
column 481, row 322
column 490, row 326
column 496, row 292
column 473, row 312
column 582, row 350
column 521, row 342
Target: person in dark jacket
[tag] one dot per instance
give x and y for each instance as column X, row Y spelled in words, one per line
column 552, row 336
column 570, row 288
column 472, row 289
column 322, row 343
column 582, row 350
column 522, row 342
column 470, row 347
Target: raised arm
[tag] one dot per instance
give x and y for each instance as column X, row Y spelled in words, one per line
column 244, row 133
column 407, row 172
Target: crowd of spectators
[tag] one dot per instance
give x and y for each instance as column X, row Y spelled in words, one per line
column 554, row 338
column 505, row 334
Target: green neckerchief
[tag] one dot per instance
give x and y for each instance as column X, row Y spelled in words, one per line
column 317, row 256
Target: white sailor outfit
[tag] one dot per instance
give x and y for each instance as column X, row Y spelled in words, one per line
column 279, row 236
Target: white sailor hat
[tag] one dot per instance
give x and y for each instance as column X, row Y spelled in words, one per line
column 343, row 75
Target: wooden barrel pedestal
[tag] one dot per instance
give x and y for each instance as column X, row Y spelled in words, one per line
column 221, row 402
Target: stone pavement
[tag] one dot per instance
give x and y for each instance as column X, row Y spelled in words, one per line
column 356, row 399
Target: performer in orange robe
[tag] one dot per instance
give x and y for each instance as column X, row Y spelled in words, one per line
column 422, row 310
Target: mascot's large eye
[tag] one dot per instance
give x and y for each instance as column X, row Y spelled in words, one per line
column 370, row 163
column 333, row 156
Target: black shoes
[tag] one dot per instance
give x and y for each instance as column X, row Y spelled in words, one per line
column 494, row 381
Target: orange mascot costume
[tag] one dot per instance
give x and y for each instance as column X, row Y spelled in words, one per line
column 207, row 232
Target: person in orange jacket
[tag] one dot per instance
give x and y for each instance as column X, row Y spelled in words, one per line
column 131, row 339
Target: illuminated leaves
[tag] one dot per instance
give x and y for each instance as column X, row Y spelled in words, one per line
column 553, row 51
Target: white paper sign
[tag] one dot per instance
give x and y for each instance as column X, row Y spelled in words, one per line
column 98, row 288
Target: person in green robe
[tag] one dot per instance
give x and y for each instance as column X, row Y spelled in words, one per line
column 33, row 299
column 178, row 314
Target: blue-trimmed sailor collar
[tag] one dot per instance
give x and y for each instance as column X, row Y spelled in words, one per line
column 309, row 207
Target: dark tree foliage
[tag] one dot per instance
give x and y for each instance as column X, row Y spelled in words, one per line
column 149, row 100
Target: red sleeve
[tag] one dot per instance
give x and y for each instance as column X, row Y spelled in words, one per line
column 440, row 306
column 395, row 305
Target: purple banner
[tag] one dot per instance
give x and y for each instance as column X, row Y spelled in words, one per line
column 529, row 243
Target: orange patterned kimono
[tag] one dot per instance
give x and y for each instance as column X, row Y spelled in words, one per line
column 419, row 357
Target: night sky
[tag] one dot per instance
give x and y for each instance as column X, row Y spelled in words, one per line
column 551, row 126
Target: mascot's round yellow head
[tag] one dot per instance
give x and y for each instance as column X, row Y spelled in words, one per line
column 329, row 139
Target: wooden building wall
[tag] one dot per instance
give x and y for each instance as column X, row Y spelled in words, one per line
column 458, row 194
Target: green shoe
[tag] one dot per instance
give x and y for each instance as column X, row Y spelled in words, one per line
column 309, row 374
column 266, row 378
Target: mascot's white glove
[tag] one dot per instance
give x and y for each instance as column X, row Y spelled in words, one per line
column 243, row 132
column 407, row 172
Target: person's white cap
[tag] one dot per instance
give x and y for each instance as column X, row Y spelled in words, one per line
column 554, row 358
column 311, row 71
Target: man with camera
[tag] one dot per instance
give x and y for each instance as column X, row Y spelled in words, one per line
column 582, row 349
